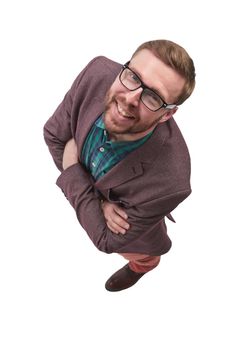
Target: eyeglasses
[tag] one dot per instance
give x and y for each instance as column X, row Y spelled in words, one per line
column 150, row 98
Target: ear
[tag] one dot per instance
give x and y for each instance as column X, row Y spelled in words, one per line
column 168, row 114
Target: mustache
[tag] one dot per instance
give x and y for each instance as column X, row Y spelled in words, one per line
column 109, row 99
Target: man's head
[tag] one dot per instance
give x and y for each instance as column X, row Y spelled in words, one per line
column 159, row 77
column 175, row 57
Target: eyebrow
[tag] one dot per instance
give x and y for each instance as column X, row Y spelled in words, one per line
column 151, row 88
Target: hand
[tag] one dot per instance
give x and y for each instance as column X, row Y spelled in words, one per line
column 115, row 217
column 70, row 155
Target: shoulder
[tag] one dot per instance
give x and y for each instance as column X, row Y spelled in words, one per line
column 170, row 140
column 176, row 138
column 97, row 76
column 174, row 158
column 101, row 67
column 100, row 62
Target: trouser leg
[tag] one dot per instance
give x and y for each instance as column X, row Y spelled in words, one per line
column 141, row 263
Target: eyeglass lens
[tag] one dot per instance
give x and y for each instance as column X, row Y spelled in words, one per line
column 132, row 82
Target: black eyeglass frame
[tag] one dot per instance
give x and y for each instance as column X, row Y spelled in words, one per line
column 143, row 86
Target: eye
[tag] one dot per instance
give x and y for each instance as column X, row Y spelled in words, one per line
column 152, row 99
column 133, row 77
column 152, row 96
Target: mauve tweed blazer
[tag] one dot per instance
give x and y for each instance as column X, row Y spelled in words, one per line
column 149, row 183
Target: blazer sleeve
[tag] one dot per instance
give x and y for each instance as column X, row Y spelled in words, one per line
column 57, row 130
column 78, row 187
column 61, row 127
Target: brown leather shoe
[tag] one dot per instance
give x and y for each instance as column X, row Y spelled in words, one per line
column 122, row 279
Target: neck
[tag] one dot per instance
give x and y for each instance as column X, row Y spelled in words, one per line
column 129, row 137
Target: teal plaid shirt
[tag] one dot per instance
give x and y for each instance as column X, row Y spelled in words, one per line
column 99, row 154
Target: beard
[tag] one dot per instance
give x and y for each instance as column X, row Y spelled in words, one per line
column 125, row 128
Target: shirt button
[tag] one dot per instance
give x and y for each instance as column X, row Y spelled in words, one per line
column 93, row 164
column 101, row 149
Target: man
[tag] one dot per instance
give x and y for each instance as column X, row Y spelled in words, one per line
column 124, row 163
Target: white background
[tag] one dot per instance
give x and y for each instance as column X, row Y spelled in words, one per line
column 52, row 277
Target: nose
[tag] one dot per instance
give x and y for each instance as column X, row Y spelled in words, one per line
column 133, row 97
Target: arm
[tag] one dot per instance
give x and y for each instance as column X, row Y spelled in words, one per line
column 57, row 130
column 78, row 187
column 115, row 216
column 61, row 126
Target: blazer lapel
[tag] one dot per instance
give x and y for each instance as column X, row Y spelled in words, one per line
column 86, row 121
column 133, row 165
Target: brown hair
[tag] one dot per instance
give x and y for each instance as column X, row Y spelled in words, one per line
column 175, row 57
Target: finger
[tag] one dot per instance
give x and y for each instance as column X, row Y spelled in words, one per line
column 115, row 228
column 112, row 228
column 117, row 220
column 121, row 212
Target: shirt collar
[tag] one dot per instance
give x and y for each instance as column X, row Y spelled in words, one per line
column 100, row 123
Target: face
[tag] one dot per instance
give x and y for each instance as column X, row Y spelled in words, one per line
column 126, row 117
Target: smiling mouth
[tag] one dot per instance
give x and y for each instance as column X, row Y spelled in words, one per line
column 123, row 113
